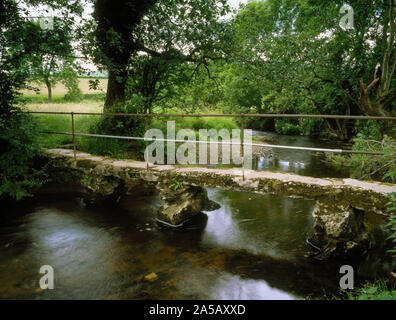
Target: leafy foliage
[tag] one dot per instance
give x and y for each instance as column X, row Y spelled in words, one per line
column 175, row 185
column 18, row 150
column 122, row 126
column 303, row 62
column 362, row 166
column 392, row 220
column 54, row 61
column 374, row 291
column 18, row 46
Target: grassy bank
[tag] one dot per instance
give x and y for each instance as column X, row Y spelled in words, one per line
column 61, row 99
column 369, row 167
column 377, row 290
column 93, row 124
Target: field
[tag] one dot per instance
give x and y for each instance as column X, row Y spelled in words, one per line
column 83, row 106
column 60, row 89
column 92, row 101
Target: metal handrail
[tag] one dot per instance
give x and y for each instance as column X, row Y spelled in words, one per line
column 242, row 116
column 214, row 142
column 231, row 115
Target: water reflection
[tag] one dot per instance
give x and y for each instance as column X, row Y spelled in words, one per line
column 104, row 252
column 229, row 287
column 253, row 247
column 287, row 166
column 297, row 161
column 261, row 224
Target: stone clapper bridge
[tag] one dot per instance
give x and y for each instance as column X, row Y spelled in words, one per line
column 341, row 204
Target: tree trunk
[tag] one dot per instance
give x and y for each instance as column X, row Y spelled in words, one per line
column 115, row 90
column 148, row 105
column 378, row 106
column 376, row 98
column 389, row 59
column 49, row 87
column 115, row 23
column 338, row 128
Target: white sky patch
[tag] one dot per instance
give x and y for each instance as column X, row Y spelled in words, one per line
column 235, row 3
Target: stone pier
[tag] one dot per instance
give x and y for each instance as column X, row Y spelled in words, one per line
column 182, row 202
column 338, row 230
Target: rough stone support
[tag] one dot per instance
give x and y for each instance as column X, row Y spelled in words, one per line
column 182, row 202
column 338, row 230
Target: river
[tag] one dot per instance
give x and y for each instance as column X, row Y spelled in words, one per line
column 253, row 247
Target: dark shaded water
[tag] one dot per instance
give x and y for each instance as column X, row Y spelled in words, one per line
column 306, row 163
column 253, row 247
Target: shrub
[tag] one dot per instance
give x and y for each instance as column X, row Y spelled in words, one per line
column 19, row 148
column 368, row 129
column 363, row 166
column 373, row 291
column 74, row 95
column 103, row 146
column 70, row 80
column 286, row 127
column 121, row 126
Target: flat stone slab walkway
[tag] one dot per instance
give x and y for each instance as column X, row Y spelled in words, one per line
column 369, row 196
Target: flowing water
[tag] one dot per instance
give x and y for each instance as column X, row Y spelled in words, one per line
column 305, row 163
column 253, row 247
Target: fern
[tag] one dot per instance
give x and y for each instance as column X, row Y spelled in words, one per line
column 391, row 209
column 176, row 185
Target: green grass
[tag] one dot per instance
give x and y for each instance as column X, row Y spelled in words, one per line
column 61, row 123
column 83, row 124
column 60, row 98
column 377, row 290
column 369, row 167
column 209, row 123
column 196, row 123
column 112, row 147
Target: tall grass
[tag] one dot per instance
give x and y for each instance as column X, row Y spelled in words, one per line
column 378, row 290
column 373, row 167
column 82, row 124
column 60, row 123
column 112, row 147
column 60, row 98
column 196, row 123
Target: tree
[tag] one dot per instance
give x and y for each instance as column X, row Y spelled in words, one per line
column 302, row 53
column 274, row 54
column 153, row 79
column 115, row 41
column 10, row 79
column 55, row 59
column 168, row 32
column 377, row 97
column 18, row 147
column 195, row 89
